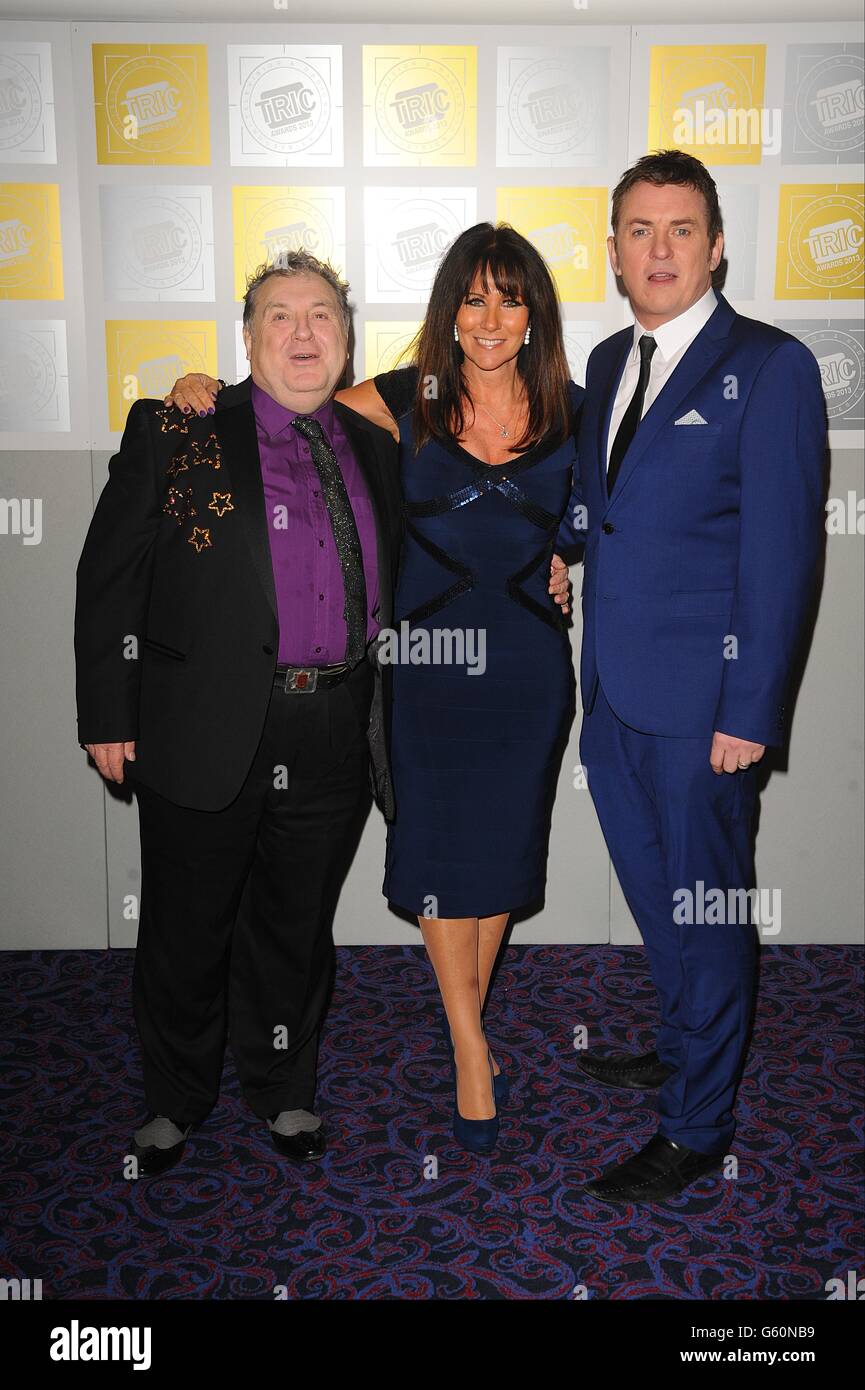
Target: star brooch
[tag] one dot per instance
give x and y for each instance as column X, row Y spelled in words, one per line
column 200, row 538
column 221, row 503
column 208, row 452
column 170, row 418
column 179, row 504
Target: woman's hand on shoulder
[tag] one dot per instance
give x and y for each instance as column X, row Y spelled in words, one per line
column 364, row 398
column 195, row 391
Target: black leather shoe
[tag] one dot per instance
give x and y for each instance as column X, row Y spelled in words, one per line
column 662, row 1169
column 640, row 1073
column 152, row 1160
column 307, row 1143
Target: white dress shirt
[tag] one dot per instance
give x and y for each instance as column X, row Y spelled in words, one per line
column 673, row 339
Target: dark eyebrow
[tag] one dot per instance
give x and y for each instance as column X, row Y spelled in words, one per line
column 647, row 221
column 482, row 294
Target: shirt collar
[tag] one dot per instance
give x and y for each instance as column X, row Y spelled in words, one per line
column 274, row 418
column 673, row 335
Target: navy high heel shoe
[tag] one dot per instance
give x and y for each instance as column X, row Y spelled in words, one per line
column 501, row 1084
column 477, row 1135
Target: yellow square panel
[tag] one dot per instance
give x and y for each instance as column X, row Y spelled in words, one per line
column 568, row 226
column 273, row 219
column 708, row 99
column 31, row 255
column 150, row 103
column 820, row 235
column 386, row 344
column 144, row 358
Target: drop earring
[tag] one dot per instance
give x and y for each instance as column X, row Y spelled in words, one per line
column 528, row 333
column 456, row 332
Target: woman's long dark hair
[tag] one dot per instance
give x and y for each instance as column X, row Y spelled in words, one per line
column 516, row 269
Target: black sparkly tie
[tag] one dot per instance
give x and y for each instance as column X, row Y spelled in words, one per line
column 631, row 418
column 344, row 534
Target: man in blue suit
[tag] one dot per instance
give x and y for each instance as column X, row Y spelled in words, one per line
column 701, row 457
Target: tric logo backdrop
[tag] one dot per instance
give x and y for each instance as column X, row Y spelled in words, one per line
column 196, row 159
column 146, row 168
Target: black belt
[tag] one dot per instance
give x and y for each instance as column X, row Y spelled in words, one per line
column 303, row 680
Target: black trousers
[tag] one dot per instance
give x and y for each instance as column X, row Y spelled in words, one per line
column 235, row 936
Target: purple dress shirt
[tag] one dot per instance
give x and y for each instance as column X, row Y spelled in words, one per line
column 307, row 575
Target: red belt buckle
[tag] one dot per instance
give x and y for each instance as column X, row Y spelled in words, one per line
column 303, row 680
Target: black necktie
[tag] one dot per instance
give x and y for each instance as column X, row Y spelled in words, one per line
column 344, row 534
column 631, row 418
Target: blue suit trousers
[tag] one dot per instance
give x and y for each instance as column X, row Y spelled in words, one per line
column 673, row 824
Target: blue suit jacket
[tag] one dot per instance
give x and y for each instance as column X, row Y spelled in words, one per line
column 699, row 568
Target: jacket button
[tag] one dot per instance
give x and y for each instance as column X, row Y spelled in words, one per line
column 268, row 651
column 607, row 528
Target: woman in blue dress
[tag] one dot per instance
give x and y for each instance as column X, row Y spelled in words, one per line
column 483, row 680
column 486, row 422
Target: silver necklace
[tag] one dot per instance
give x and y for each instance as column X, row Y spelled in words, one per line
column 503, row 430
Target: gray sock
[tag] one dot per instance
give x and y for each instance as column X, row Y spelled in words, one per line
column 295, row 1122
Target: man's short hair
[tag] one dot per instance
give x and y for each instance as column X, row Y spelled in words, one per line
column 671, row 166
column 295, row 263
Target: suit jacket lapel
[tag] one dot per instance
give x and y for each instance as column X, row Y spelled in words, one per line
column 703, row 352
column 236, row 432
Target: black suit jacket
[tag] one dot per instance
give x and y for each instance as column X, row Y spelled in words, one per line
column 176, row 631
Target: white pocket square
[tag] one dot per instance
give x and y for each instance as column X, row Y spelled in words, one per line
column 693, row 417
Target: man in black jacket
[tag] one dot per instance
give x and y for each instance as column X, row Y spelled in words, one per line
column 234, row 577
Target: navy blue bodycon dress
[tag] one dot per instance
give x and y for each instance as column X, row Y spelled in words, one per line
column 476, row 743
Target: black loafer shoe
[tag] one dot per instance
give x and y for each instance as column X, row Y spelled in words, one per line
column 151, row 1160
column 640, row 1073
column 662, row 1169
column 307, row 1143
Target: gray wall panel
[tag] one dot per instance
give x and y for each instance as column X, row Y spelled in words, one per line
column 52, row 850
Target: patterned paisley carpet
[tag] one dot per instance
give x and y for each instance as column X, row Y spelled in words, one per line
column 396, row 1209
